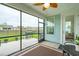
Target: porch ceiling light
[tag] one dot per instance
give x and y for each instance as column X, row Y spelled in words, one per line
column 46, row 5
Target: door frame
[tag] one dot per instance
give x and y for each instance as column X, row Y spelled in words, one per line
column 40, row 40
column 63, row 28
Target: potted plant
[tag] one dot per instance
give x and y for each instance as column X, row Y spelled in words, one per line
column 77, row 43
column 77, row 40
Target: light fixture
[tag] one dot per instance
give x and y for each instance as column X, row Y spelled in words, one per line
column 46, row 5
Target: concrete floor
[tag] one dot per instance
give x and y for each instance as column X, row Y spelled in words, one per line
column 10, row 47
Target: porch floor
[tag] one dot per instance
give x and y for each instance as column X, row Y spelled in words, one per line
column 42, row 49
column 11, row 47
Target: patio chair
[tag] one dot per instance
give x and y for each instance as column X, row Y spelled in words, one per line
column 69, row 50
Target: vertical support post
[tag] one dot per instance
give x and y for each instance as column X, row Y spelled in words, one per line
column 44, row 30
column 20, row 30
column 38, row 30
column 0, row 42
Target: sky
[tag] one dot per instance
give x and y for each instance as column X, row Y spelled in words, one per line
column 12, row 17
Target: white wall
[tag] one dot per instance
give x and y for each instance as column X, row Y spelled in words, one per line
column 56, row 37
column 77, row 25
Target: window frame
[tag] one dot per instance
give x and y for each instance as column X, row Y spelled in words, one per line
column 53, row 27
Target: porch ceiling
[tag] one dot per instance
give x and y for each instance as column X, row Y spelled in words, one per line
column 63, row 8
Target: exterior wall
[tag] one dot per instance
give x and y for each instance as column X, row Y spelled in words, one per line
column 56, row 37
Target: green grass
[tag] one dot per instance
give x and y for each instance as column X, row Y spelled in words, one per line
column 9, row 39
column 34, row 35
column 13, row 33
column 9, row 33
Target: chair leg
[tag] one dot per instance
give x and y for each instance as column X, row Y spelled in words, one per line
column 68, row 54
column 64, row 52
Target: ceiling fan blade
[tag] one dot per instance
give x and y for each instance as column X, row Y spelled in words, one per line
column 44, row 8
column 38, row 4
column 54, row 5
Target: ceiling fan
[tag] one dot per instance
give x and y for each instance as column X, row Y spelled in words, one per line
column 46, row 5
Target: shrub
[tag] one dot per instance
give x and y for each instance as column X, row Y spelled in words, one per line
column 16, row 38
column 5, row 40
column 77, row 40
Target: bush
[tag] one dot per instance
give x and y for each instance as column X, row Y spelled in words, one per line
column 5, row 40
column 77, row 40
column 16, row 38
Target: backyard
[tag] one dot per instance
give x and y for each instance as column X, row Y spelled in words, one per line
column 14, row 35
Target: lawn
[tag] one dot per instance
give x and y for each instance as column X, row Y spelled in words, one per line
column 35, row 36
column 9, row 33
column 13, row 33
column 9, row 39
